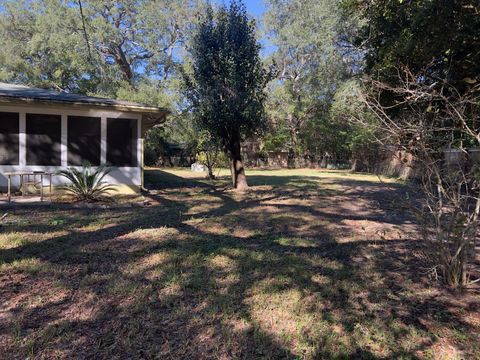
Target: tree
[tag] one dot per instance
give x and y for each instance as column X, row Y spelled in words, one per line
column 39, row 48
column 208, row 152
column 435, row 40
column 125, row 49
column 450, row 180
column 423, row 93
column 313, row 59
column 226, row 86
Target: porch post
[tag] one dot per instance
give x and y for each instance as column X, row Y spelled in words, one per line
column 64, row 141
column 103, row 140
column 22, row 140
column 140, row 152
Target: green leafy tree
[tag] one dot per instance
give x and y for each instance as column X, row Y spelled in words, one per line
column 423, row 92
column 432, row 41
column 437, row 39
column 227, row 83
column 360, row 140
column 124, row 49
column 155, row 145
column 209, row 152
column 311, row 39
column 39, row 48
column 428, row 43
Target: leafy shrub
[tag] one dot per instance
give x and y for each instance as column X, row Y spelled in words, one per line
column 87, row 184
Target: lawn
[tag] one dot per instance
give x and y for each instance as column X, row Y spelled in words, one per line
column 307, row 264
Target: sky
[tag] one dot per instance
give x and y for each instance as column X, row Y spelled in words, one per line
column 255, row 7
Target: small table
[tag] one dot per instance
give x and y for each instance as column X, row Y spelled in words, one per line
column 25, row 183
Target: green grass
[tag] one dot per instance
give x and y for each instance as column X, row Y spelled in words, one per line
column 307, row 264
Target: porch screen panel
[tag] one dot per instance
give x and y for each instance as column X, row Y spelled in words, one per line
column 122, row 137
column 44, row 139
column 83, row 140
column 9, row 138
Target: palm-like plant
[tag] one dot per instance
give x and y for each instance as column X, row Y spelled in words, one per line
column 87, row 184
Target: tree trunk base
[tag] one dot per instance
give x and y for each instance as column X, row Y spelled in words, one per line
column 239, row 180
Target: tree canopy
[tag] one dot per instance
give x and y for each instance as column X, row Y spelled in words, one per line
column 314, row 59
column 439, row 39
column 139, row 50
column 226, row 86
column 125, row 49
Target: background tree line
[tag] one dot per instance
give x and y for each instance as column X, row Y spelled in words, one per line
column 345, row 79
column 137, row 50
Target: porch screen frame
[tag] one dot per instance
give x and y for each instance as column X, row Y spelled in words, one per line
column 122, row 142
column 9, row 138
column 43, row 139
column 84, row 132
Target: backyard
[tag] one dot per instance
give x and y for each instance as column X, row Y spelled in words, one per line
column 305, row 264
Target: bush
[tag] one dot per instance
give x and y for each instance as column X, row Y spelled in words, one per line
column 87, row 184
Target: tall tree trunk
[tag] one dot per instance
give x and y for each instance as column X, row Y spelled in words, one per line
column 122, row 62
column 239, row 180
column 210, row 164
column 292, row 152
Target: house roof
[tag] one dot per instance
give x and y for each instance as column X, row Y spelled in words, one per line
column 12, row 93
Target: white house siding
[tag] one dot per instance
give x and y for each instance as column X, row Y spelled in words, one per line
column 131, row 176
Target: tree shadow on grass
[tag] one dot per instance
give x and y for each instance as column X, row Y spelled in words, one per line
column 158, row 179
column 155, row 284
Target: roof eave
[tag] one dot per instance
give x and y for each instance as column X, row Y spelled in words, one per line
column 132, row 108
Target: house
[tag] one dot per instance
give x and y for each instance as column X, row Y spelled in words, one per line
column 45, row 130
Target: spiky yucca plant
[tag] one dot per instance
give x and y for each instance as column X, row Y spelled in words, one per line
column 87, row 184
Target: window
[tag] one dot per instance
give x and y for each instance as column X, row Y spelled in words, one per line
column 83, row 140
column 43, row 139
column 9, row 148
column 122, row 142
